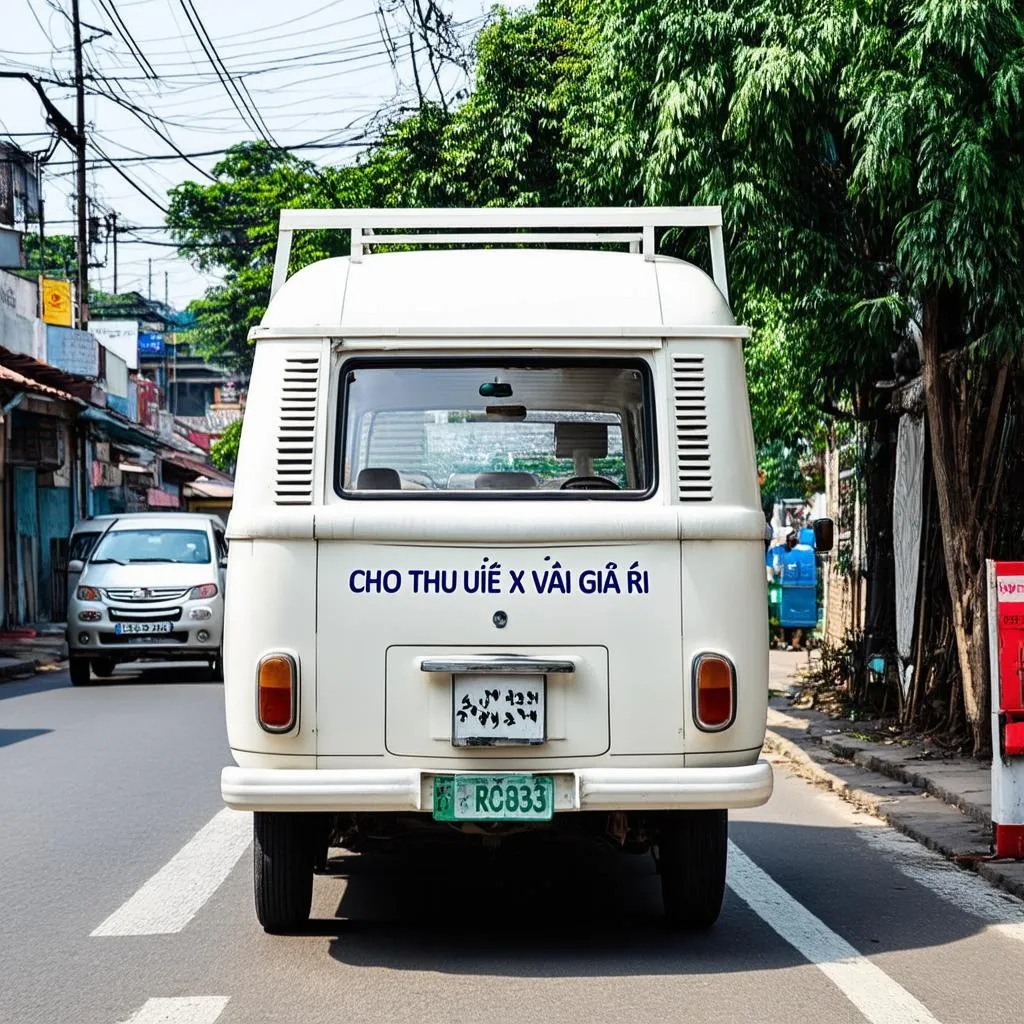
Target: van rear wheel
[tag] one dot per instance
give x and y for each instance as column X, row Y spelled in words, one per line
column 285, row 852
column 692, row 851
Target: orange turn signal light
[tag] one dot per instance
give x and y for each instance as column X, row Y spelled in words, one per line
column 276, row 680
column 714, row 692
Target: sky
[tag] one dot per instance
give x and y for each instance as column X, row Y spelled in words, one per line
column 318, row 74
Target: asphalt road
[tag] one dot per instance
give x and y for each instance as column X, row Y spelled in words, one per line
column 125, row 891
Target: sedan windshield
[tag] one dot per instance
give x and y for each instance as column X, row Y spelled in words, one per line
column 153, row 545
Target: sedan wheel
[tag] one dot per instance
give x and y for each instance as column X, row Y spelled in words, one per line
column 78, row 669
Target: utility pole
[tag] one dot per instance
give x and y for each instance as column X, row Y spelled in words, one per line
column 83, row 237
column 113, row 232
column 166, row 303
column 149, row 286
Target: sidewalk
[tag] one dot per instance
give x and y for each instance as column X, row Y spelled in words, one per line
column 25, row 652
column 940, row 800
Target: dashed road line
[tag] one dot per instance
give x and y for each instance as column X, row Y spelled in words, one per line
column 880, row 999
column 177, row 892
column 185, row 1010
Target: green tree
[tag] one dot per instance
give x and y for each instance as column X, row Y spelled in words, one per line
column 230, row 226
column 60, row 255
column 933, row 100
column 224, row 451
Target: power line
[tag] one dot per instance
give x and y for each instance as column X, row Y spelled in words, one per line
column 358, row 141
column 110, row 10
column 134, row 184
column 229, row 84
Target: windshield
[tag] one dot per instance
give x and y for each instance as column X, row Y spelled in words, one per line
column 153, row 545
column 577, row 426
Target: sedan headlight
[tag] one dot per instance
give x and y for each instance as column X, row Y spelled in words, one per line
column 203, row 592
column 89, row 594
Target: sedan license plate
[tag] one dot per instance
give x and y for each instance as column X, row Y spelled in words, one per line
column 493, row 797
column 125, row 628
column 497, row 711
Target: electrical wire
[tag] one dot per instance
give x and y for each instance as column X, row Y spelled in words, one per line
column 230, row 87
column 134, row 184
column 109, row 8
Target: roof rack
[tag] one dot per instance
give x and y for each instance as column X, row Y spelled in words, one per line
column 634, row 226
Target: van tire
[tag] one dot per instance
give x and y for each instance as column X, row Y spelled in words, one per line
column 692, row 851
column 284, row 855
column 78, row 669
column 103, row 667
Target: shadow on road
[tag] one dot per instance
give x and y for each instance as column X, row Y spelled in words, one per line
column 9, row 736
column 163, row 673
column 549, row 911
column 536, row 910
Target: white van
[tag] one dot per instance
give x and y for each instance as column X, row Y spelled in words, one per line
column 497, row 553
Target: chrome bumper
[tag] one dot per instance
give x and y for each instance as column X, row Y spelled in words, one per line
column 411, row 789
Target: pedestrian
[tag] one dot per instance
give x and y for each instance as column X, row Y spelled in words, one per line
column 792, row 636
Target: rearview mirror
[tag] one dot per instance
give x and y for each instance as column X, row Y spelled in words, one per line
column 824, row 535
column 76, row 565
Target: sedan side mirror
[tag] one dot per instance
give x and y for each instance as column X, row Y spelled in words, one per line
column 76, row 565
column 824, row 535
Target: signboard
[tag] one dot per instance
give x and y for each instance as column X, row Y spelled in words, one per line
column 19, row 296
column 22, row 334
column 120, row 337
column 1010, row 633
column 1006, row 671
column 10, row 248
column 75, row 352
column 57, row 302
column 151, row 343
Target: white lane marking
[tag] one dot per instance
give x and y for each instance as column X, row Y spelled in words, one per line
column 187, row 1010
column 880, row 999
column 177, row 892
column 968, row 892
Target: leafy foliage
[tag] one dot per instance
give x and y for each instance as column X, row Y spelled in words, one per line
column 224, row 452
column 231, row 226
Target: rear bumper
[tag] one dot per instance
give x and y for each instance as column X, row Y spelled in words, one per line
column 411, row 789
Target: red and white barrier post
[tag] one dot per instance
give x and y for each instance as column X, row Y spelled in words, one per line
column 1006, row 669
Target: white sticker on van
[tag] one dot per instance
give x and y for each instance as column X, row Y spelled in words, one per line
column 494, row 578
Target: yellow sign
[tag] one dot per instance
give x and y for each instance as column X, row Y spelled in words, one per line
column 57, row 302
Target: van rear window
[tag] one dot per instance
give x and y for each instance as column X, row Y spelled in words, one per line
column 572, row 428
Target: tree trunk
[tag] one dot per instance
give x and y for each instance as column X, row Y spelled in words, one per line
column 964, row 570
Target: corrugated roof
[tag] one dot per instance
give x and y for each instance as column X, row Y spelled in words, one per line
column 21, row 381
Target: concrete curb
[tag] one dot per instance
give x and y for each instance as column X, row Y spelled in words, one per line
column 17, row 668
column 860, row 754
column 897, row 799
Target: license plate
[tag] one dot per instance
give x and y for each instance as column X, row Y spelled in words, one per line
column 494, row 797
column 497, row 711
column 125, row 628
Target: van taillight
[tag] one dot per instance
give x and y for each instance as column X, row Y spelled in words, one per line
column 714, row 692
column 276, row 680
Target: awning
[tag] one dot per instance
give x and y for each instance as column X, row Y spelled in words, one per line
column 28, row 384
column 183, row 461
column 156, row 498
column 119, row 430
column 46, row 375
column 209, row 489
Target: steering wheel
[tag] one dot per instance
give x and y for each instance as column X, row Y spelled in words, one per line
column 589, row 483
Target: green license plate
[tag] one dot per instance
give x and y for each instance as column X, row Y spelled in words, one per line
column 493, row 797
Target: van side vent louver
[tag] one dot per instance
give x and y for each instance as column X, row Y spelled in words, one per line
column 296, row 431
column 693, row 452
